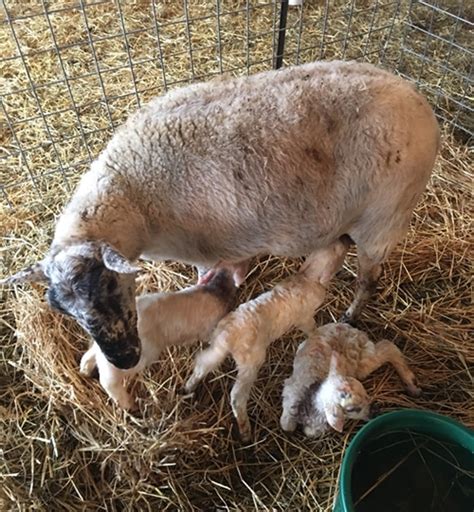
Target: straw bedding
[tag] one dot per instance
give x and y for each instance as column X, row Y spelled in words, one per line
column 66, row 447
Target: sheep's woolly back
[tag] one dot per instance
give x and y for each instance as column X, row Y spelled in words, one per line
column 203, row 158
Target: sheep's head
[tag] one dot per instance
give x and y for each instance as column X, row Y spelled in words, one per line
column 342, row 397
column 93, row 283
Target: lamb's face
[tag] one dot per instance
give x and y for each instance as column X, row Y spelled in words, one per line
column 101, row 300
column 353, row 399
column 344, row 397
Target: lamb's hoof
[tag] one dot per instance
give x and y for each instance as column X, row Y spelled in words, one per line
column 349, row 319
column 413, row 390
column 245, row 433
column 288, row 424
column 182, row 391
column 88, row 367
column 128, row 404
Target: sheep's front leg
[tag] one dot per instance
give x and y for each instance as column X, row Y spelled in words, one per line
column 368, row 276
column 387, row 352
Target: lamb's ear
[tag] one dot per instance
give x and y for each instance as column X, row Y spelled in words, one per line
column 335, row 417
column 113, row 260
column 336, row 365
column 32, row 274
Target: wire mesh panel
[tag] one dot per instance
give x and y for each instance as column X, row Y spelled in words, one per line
column 438, row 53
column 73, row 71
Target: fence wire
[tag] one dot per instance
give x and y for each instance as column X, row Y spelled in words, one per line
column 73, row 71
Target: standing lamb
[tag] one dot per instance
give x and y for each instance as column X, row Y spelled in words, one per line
column 165, row 320
column 282, row 162
column 323, row 389
column 247, row 332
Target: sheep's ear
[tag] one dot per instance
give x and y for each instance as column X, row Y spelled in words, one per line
column 32, row 274
column 335, row 417
column 113, row 260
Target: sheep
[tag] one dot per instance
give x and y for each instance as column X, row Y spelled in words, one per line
column 282, row 162
column 164, row 320
column 324, row 388
column 247, row 332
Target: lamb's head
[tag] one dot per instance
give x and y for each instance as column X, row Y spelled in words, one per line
column 93, row 283
column 342, row 397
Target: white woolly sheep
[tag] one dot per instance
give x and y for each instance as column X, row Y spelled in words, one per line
column 164, row 320
column 246, row 332
column 282, row 162
column 324, row 388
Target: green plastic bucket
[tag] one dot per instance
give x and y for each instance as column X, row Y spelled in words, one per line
column 440, row 427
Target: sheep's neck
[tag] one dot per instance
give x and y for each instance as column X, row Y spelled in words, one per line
column 122, row 226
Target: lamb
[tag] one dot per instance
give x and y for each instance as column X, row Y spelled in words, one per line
column 282, row 162
column 164, row 320
column 253, row 326
column 324, row 388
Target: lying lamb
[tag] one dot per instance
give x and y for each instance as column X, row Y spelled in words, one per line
column 316, row 398
column 253, row 326
column 164, row 320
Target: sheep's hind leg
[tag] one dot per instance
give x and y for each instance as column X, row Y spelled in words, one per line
column 368, row 275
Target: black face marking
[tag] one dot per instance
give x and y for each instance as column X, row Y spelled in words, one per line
column 101, row 301
column 123, row 352
column 53, row 301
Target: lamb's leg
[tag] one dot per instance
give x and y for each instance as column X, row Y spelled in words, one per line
column 112, row 380
column 246, row 376
column 239, row 397
column 387, row 352
column 368, row 275
column 206, row 361
column 292, row 396
column 88, row 361
column 307, row 325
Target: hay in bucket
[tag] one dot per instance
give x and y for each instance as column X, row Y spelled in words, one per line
column 64, row 445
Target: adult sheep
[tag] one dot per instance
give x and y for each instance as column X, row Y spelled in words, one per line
column 282, row 162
